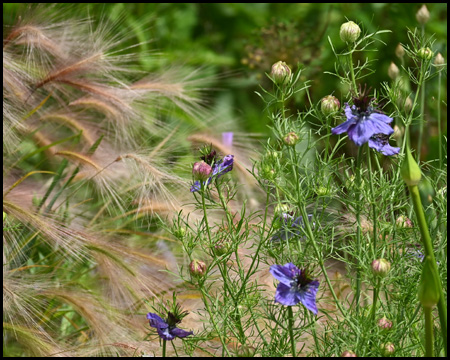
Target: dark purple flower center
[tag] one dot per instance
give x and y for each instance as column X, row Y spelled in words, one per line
column 302, row 279
column 383, row 138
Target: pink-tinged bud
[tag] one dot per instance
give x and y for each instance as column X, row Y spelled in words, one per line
column 404, row 222
column 329, row 105
column 425, row 53
column 387, row 349
column 291, row 139
column 349, row 32
column 398, row 133
column 281, row 73
column 423, row 15
column 381, row 267
column 201, row 171
column 197, row 268
column 399, row 51
column 384, row 323
column 439, row 60
column 348, row 353
column 221, row 247
column 393, row 71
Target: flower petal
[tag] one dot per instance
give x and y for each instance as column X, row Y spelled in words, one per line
column 156, row 321
column 284, row 273
column 383, row 147
column 365, row 129
column 165, row 334
column 343, row 127
column 180, row 332
column 286, row 295
column 381, row 117
column 307, row 296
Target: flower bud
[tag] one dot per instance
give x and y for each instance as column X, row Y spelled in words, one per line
column 180, row 232
column 268, row 173
column 384, row 323
column 349, row 32
column 425, row 53
column 423, row 15
column 439, row 60
column 404, row 222
column 398, row 133
column 429, row 284
column 280, row 209
column 272, row 155
column 387, row 349
column 281, row 73
column 322, row 191
column 348, row 353
column 197, row 268
column 291, row 139
column 408, row 105
column 245, row 351
column 410, row 171
column 201, row 171
column 381, row 267
column 329, row 104
column 221, row 247
column 399, row 51
column 393, row 71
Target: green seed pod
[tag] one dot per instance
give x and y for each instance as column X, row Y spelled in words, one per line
column 429, row 284
column 410, row 171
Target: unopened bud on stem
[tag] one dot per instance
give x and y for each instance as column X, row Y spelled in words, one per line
column 281, row 73
column 350, row 32
column 423, row 15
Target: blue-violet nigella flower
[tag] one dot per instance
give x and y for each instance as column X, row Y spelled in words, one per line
column 291, row 227
column 363, row 121
column 295, row 286
column 380, row 143
column 220, row 168
column 167, row 330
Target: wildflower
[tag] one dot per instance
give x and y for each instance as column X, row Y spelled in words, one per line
column 227, row 138
column 197, row 268
column 167, row 330
column 363, row 121
column 381, row 267
column 201, row 170
column 291, row 227
column 393, row 71
column 348, row 353
column 384, row 323
column 218, row 169
column 380, row 143
column 281, row 73
column 295, row 286
column 349, row 32
column 423, row 15
column 329, row 104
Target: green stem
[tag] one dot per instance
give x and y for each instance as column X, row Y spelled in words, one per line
column 428, row 247
column 429, row 351
column 205, row 217
column 164, row 348
column 358, row 226
column 422, row 121
column 352, row 70
column 376, row 291
column 291, row 330
column 374, row 207
column 439, row 121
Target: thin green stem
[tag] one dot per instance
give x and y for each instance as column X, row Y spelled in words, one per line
column 422, row 121
column 376, row 291
column 164, row 348
column 291, row 330
column 352, row 70
column 428, row 246
column 439, row 120
column 358, row 226
column 374, row 207
column 429, row 351
column 205, row 216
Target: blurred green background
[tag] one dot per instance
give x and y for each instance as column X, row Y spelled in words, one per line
column 236, row 44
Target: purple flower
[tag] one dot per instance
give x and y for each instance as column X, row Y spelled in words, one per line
column 227, row 138
column 363, row 121
column 380, row 143
column 291, row 228
column 295, row 286
column 222, row 167
column 167, row 329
